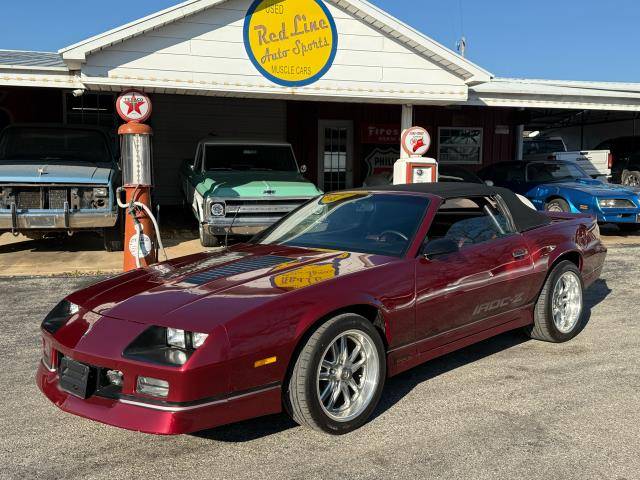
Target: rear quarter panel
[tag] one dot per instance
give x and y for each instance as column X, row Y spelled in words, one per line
column 567, row 236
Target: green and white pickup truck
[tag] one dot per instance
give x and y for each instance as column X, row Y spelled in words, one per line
column 242, row 187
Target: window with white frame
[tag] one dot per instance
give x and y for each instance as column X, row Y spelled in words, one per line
column 460, row 145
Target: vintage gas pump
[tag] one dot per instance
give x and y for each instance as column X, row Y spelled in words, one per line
column 413, row 167
column 142, row 236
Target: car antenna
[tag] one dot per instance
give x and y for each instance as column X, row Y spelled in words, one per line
column 226, row 236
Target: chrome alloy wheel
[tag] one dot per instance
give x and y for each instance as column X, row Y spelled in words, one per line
column 348, row 375
column 632, row 180
column 566, row 303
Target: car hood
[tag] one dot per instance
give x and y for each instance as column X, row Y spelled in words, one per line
column 257, row 184
column 596, row 188
column 223, row 284
column 38, row 172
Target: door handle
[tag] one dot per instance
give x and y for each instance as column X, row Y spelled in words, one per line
column 520, row 253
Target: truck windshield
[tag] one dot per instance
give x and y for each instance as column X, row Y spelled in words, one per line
column 54, row 145
column 554, row 172
column 364, row 222
column 254, row 157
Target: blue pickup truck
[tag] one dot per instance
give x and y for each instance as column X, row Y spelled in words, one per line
column 58, row 179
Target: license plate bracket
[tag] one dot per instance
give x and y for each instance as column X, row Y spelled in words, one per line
column 77, row 378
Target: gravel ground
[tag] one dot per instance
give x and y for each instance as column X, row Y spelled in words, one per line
column 505, row 408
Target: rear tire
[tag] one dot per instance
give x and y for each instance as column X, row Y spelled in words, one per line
column 557, row 205
column 558, row 314
column 334, row 386
column 206, row 239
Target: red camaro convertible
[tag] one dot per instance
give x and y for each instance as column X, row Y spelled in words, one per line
column 315, row 313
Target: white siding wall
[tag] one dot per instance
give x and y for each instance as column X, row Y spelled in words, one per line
column 180, row 121
column 595, row 134
column 206, row 52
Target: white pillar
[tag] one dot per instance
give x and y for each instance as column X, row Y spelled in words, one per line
column 406, row 121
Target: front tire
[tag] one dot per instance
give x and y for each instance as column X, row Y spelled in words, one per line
column 206, row 239
column 629, row 227
column 557, row 205
column 558, row 314
column 114, row 237
column 338, row 377
column 631, row 178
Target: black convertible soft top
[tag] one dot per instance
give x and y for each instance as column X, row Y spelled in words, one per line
column 524, row 217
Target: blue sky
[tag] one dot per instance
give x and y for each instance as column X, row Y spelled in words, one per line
column 557, row 39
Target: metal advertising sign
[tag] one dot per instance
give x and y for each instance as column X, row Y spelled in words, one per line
column 416, row 141
column 134, row 106
column 291, row 42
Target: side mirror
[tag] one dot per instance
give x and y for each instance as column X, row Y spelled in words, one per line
column 489, row 183
column 303, row 169
column 440, row 247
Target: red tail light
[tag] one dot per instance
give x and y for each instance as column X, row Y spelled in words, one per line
column 610, row 161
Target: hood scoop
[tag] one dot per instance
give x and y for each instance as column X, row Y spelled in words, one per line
column 236, row 268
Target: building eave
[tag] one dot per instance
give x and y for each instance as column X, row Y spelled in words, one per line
column 531, row 93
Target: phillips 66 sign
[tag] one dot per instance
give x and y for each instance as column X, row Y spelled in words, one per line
column 291, row 42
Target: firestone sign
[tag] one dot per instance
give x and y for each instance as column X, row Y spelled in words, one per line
column 291, row 42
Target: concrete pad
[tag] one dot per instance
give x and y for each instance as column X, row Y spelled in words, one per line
column 82, row 254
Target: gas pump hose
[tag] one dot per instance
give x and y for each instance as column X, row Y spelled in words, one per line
column 131, row 209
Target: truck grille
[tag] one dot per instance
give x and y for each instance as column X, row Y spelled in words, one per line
column 272, row 208
column 29, row 198
column 57, row 197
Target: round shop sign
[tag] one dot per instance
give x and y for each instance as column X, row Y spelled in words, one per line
column 291, row 42
column 141, row 247
column 134, row 106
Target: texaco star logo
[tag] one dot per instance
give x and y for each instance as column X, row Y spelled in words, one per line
column 133, row 106
column 134, row 103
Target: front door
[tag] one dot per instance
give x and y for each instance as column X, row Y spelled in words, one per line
column 335, row 155
column 484, row 284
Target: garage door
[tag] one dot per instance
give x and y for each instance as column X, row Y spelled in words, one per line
column 180, row 121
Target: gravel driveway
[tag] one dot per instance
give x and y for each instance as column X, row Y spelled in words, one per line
column 505, row 408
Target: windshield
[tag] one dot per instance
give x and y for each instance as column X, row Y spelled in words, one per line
column 364, row 222
column 254, row 157
column 54, row 145
column 554, row 172
column 543, row 145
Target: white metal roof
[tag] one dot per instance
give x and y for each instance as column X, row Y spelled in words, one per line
column 35, row 69
column 533, row 93
column 76, row 54
column 28, row 60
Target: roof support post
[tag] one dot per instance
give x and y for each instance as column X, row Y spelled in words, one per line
column 519, row 142
column 406, row 121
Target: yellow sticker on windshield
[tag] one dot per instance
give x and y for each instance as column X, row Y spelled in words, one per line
column 338, row 197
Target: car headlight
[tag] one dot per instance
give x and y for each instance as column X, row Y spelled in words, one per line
column 218, row 209
column 615, row 203
column 101, row 192
column 59, row 316
column 165, row 346
column 186, row 340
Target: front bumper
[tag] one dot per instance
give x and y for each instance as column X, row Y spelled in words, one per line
column 619, row 216
column 244, row 226
column 162, row 418
column 56, row 220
